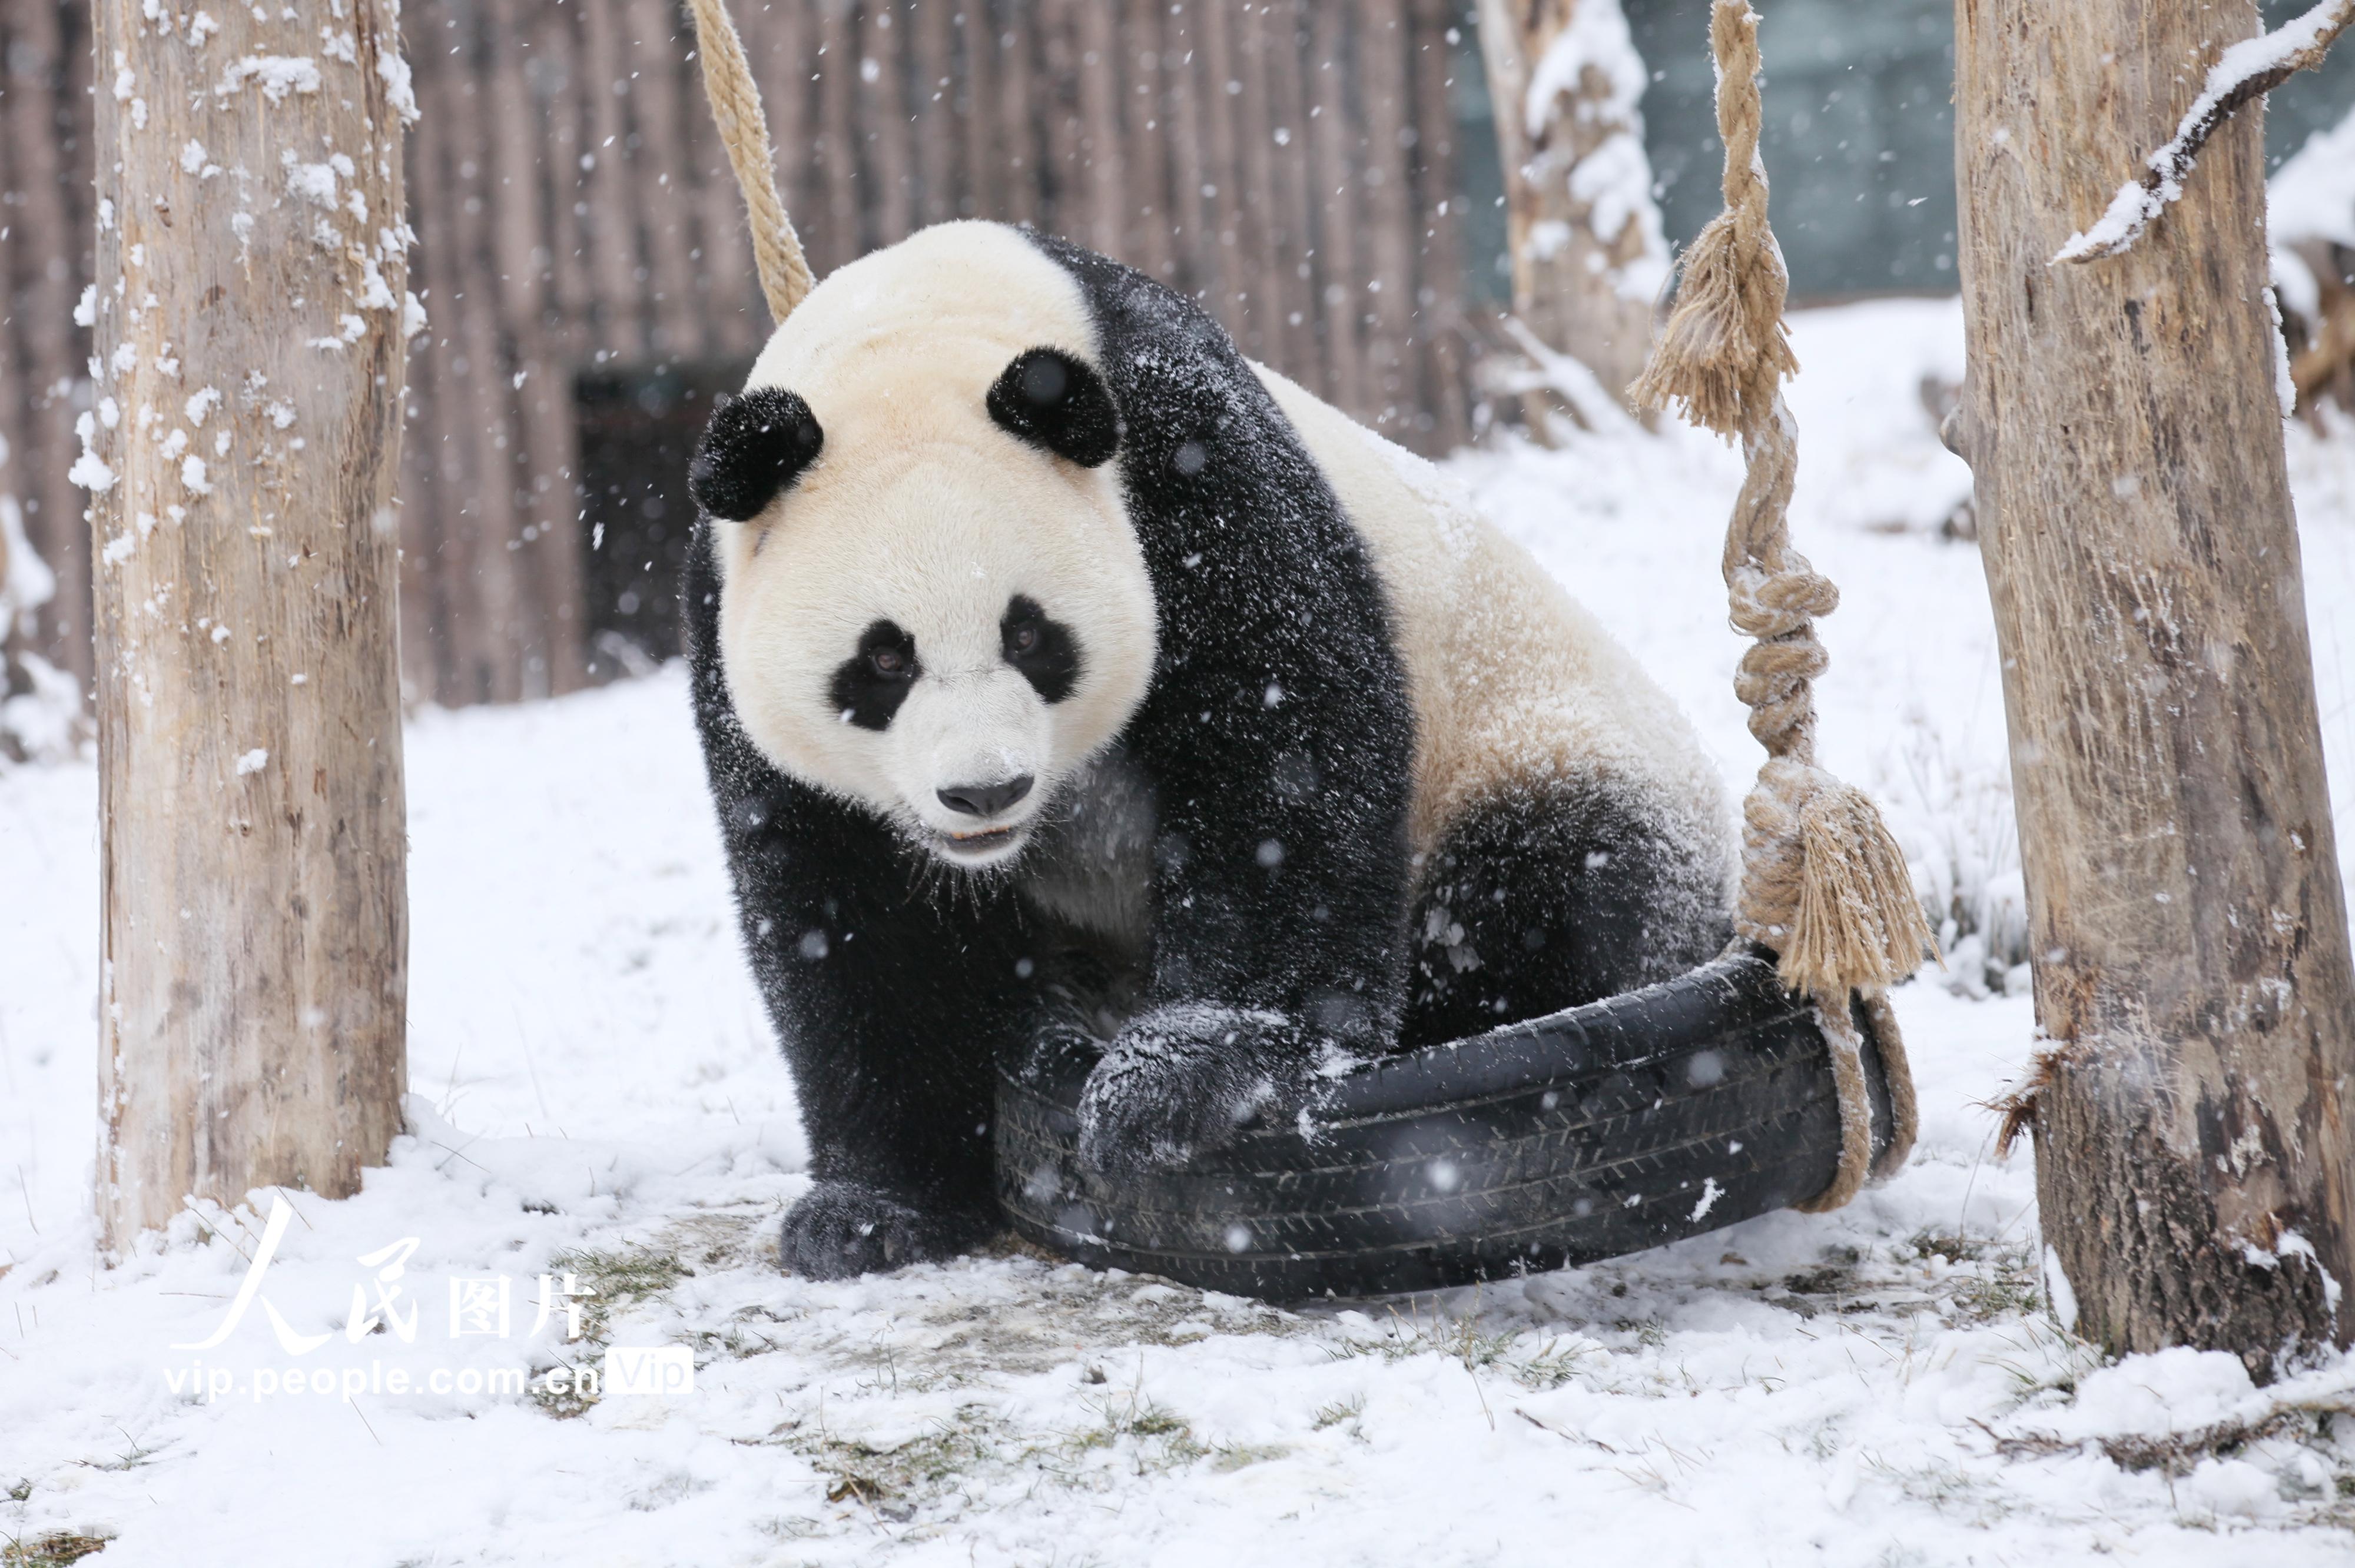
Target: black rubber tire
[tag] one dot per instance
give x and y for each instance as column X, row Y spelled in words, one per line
column 1630, row 1122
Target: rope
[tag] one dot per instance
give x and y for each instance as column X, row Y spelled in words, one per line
column 744, row 130
column 1823, row 885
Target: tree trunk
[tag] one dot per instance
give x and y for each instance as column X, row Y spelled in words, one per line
column 253, row 923
column 1588, row 256
column 2190, row 932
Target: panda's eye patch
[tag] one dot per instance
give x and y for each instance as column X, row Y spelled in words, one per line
column 1041, row 648
column 870, row 685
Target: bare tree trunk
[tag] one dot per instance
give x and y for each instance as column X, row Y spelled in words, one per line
column 254, row 916
column 1588, row 256
column 2190, row 932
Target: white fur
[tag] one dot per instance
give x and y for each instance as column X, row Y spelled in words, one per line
column 921, row 511
column 1512, row 679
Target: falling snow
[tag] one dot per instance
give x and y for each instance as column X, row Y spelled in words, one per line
column 595, row 1088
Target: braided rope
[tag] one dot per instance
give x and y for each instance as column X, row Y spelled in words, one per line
column 1822, row 882
column 735, row 101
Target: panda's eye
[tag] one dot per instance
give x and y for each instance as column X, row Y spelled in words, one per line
column 1043, row 649
column 869, row 687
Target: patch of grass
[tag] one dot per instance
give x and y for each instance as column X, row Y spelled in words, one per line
column 1951, row 1246
column 1479, row 1349
column 1351, row 1409
column 1154, row 1438
column 1236, row 1455
column 2005, row 1283
column 1161, row 1440
column 614, row 1279
column 1552, row 1366
column 1826, row 1281
column 735, row 1340
column 1947, row 1487
column 52, row 1550
column 897, row 1481
column 130, row 1459
column 608, row 1281
column 2178, row 1452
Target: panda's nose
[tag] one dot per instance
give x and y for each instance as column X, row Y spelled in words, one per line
column 985, row 800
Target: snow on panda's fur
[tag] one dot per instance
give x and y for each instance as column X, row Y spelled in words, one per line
column 1057, row 670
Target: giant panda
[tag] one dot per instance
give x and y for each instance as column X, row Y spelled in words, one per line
column 1059, row 672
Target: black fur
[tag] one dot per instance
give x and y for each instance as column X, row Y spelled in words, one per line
column 1054, row 400
column 755, row 448
column 1274, row 750
column 1283, row 908
column 1042, row 648
column 1545, row 898
column 870, row 685
column 874, row 989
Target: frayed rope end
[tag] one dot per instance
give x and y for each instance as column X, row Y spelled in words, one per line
column 1725, row 347
column 1858, row 925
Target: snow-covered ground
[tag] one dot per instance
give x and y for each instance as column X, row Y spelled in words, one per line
column 595, row 1094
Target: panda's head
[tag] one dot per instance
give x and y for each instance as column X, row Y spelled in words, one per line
column 933, row 602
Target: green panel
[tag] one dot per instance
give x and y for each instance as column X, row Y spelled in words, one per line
column 1859, row 135
column 1859, row 131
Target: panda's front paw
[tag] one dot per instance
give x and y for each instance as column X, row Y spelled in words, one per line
column 845, row 1228
column 1182, row 1081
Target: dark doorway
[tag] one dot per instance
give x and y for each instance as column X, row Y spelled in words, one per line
column 638, row 430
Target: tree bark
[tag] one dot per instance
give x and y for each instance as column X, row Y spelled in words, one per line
column 253, row 924
column 2190, row 932
column 1588, row 258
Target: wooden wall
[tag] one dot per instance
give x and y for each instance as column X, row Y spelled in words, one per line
column 48, row 230
column 1289, row 161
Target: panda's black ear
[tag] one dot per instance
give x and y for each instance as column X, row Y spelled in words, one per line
column 755, row 446
column 1056, row 400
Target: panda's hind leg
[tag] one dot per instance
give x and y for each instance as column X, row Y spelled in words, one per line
column 1549, row 894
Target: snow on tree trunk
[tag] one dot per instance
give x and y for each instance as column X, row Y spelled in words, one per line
column 1588, row 256
column 249, row 322
column 2189, row 930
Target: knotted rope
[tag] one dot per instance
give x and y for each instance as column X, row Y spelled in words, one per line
column 1823, row 885
column 744, row 131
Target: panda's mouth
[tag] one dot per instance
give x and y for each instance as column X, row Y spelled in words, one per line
column 980, row 846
